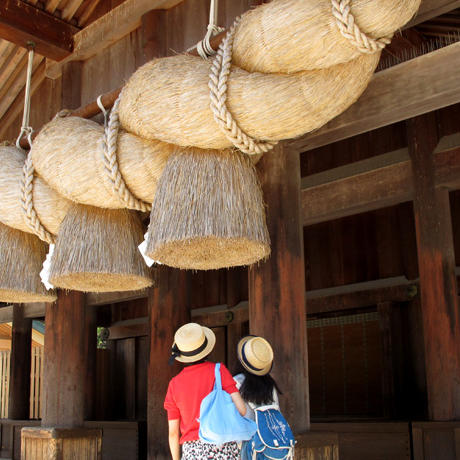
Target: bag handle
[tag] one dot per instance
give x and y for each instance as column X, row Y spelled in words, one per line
column 218, row 382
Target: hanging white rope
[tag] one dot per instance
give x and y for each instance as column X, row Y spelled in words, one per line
column 204, row 48
column 104, row 111
column 26, row 129
column 30, row 215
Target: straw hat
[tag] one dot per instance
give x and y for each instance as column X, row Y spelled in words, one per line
column 192, row 342
column 255, row 354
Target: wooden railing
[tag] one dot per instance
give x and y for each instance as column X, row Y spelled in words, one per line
column 4, row 382
column 36, row 372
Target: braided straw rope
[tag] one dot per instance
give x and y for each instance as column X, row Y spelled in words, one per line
column 345, row 20
column 30, row 215
column 218, row 85
column 111, row 163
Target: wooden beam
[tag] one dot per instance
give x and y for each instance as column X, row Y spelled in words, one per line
column 360, row 295
column 373, row 184
column 34, row 310
column 424, row 89
column 431, row 9
column 31, row 310
column 168, row 309
column 6, row 314
column 108, row 29
column 129, row 328
column 106, row 298
column 277, row 286
column 339, row 298
column 438, row 284
column 22, row 24
column 221, row 315
column 21, row 337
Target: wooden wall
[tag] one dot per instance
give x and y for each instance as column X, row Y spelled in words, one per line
column 365, row 247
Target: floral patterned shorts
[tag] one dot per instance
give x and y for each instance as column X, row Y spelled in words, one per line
column 198, row 450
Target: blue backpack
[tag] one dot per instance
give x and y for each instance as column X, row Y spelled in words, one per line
column 273, row 438
column 220, row 421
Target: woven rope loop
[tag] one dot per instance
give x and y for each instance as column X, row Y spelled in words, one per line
column 218, row 85
column 111, row 163
column 30, row 215
column 341, row 10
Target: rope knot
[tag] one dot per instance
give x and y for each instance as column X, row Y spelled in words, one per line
column 218, row 85
column 110, row 149
column 341, row 10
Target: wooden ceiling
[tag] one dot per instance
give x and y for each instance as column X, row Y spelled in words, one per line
column 77, row 14
column 13, row 58
column 80, row 13
column 5, row 337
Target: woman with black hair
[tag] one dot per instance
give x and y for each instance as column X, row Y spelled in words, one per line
column 253, row 380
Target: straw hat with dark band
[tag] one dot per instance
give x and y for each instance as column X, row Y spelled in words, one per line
column 255, row 355
column 192, row 342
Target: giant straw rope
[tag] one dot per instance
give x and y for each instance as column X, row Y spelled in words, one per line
column 286, row 68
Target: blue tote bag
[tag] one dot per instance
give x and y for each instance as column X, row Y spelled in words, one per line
column 220, row 420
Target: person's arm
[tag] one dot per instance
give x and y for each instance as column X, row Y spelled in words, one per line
column 239, row 403
column 174, row 434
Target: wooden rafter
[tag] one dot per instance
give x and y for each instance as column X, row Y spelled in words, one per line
column 432, row 9
column 108, row 29
column 374, row 186
column 398, row 93
column 21, row 23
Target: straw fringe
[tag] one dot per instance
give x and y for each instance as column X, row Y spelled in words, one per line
column 97, row 251
column 208, row 212
column 22, row 255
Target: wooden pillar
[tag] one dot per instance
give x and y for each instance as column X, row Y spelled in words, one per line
column 70, row 331
column 277, row 286
column 385, row 310
column 436, row 260
column 168, row 310
column 235, row 329
column 21, row 339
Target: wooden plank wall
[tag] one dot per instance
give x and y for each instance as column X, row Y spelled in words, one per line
column 186, row 26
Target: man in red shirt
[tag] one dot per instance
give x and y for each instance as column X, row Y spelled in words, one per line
column 192, row 343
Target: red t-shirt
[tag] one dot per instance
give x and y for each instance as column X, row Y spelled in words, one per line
column 186, row 391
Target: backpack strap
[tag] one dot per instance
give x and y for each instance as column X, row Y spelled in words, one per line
column 218, row 381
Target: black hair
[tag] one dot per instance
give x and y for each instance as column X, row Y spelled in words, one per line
column 257, row 389
column 200, row 361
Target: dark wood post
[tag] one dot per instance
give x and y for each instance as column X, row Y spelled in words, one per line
column 168, row 310
column 21, row 340
column 236, row 329
column 436, row 260
column 70, row 331
column 277, row 287
column 385, row 310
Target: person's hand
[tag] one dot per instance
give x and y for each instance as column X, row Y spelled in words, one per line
column 239, row 403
